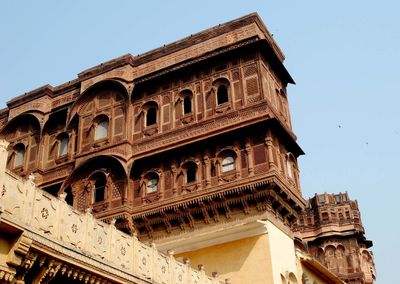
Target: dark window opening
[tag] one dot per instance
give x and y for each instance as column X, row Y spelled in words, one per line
column 53, row 189
column 191, row 173
column 151, row 117
column 69, row 198
column 187, row 105
column 222, row 94
column 99, row 187
column 213, row 171
column 19, row 155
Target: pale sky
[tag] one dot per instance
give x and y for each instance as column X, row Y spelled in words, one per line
column 343, row 55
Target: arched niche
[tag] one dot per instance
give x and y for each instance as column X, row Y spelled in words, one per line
column 21, row 125
column 142, row 175
column 227, row 160
column 55, row 140
column 84, row 179
column 107, row 98
column 25, row 130
column 184, row 105
column 98, row 96
column 222, row 91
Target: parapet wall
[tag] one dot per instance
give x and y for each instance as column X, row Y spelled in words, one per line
column 54, row 219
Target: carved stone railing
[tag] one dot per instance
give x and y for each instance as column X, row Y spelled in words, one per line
column 52, row 217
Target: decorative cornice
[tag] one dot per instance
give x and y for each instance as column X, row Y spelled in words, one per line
column 189, row 62
column 143, row 59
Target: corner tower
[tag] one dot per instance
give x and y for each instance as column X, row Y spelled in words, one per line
column 331, row 227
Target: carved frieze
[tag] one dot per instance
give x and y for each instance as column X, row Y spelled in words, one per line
column 42, row 104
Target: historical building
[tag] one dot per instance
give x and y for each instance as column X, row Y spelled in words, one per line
column 190, row 147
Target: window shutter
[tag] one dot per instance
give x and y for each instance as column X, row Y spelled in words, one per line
column 33, row 149
column 119, row 124
column 85, row 134
column 259, row 154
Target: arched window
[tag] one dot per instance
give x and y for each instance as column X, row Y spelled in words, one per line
column 101, row 130
column 190, row 172
column 152, row 183
column 63, row 149
column 187, row 105
column 19, row 155
column 151, row 116
column 222, row 94
column 99, row 187
column 228, row 164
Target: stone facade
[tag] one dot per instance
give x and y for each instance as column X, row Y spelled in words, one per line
column 182, row 139
column 331, row 226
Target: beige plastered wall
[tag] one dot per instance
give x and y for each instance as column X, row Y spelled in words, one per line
column 257, row 259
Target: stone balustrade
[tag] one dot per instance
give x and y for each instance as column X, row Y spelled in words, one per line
column 52, row 217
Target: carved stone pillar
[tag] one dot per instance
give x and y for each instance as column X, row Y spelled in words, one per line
column 250, row 157
column 268, row 143
column 89, row 193
column 207, row 170
column 161, row 183
column 109, row 187
column 124, row 191
column 174, row 182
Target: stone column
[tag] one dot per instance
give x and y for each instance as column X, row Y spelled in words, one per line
column 207, row 171
column 268, row 143
column 174, row 171
column 250, row 157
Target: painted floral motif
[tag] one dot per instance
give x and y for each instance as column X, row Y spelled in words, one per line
column 74, row 228
column 45, row 213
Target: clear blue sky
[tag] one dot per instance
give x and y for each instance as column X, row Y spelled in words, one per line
column 343, row 55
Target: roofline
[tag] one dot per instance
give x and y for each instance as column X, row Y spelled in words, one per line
column 129, row 59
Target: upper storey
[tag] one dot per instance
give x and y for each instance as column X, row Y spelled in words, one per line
column 218, row 80
column 329, row 214
column 226, row 80
column 200, row 122
column 132, row 70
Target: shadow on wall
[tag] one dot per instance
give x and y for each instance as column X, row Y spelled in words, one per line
column 245, row 258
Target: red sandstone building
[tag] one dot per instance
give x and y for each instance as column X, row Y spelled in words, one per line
column 180, row 139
